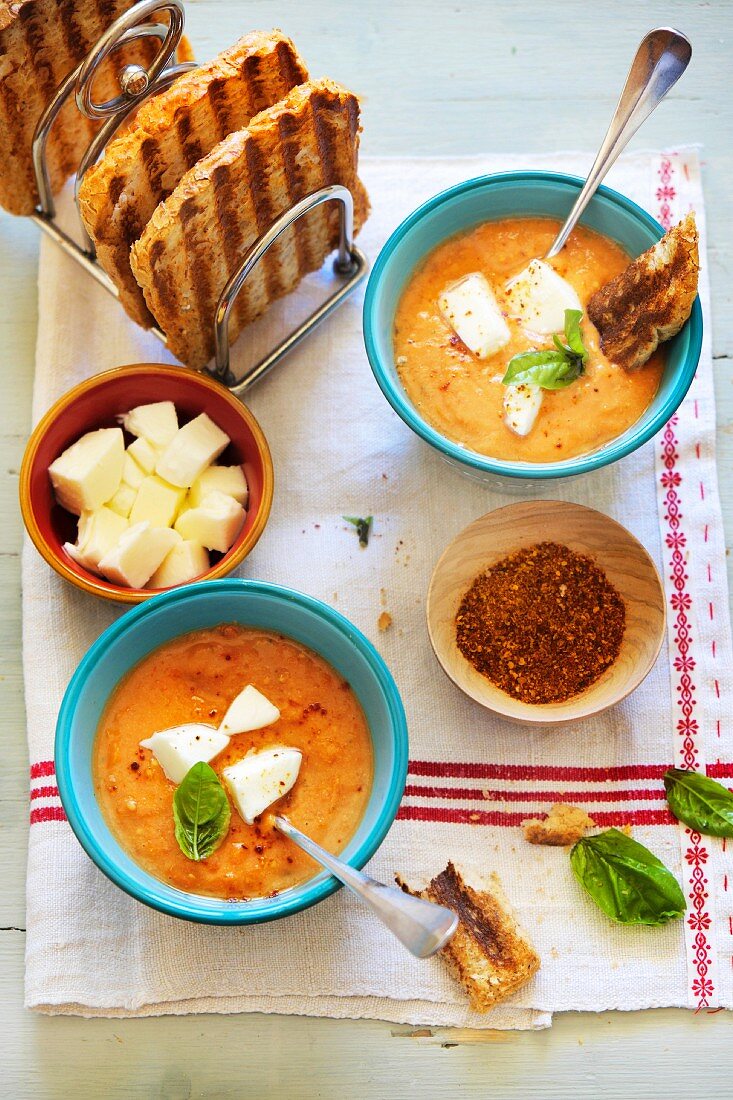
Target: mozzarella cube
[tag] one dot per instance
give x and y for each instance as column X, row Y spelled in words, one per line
column 144, row 454
column 251, row 710
column 538, row 298
column 157, row 502
column 522, row 402
column 185, row 562
column 97, row 533
column 471, row 310
column 132, row 474
column 177, row 749
column 194, row 447
column 137, row 554
column 261, row 778
column 220, row 479
column 157, row 423
column 89, row 472
column 123, row 500
column 214, row 524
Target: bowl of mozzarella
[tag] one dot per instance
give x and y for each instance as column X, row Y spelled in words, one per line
column 145, row 478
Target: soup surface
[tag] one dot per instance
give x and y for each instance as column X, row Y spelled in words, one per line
column 462, row 396
column 195, row 678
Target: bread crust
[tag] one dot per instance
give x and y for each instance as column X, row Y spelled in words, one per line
column 41, row 42
column 650, row 301
column 489, row 954
column 171, row 132
column 199, row 235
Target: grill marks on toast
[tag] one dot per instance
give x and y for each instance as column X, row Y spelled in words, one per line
column 41, row 41
column 202, row 232
column 172, row 133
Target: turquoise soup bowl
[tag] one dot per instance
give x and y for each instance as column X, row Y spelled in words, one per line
column 504, row 195
column 195, row 607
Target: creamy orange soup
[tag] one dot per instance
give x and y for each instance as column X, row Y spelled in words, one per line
column 462, row 396
column 195, row 678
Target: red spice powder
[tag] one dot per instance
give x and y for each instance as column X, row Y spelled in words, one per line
column 542, row 624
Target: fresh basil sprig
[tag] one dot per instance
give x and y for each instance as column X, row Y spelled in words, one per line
column 554, row 368
column 699, row 802
column 626, row 880
column 363, row 528
column 201, row 812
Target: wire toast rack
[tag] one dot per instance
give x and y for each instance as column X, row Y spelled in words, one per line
column 136, row 85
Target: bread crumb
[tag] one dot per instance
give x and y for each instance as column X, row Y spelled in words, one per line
column 384, row 621
column 563, row 825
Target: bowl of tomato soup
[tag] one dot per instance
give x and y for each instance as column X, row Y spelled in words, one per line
column 182, row 657
column 495, row 226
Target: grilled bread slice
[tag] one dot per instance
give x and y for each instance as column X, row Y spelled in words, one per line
column 171, row 132
column 41, row 42
column 199, row 236
column 489, row 954
column 650, row 301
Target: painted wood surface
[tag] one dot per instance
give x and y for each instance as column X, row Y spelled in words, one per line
column 436, row 78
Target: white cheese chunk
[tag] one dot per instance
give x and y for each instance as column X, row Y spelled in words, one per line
column 179, row 748
column 470, row 308
column 123, row 500
column 538, row 298
column 157, row 502
column 185, row 562
column 157, row 423
column 97, row 533
column 145, row 454
column 89, row 472
column 522, row 402
column 132, row 474
column 194, row 447
column 220, row 479
column 137, row 554
column 261, row 778
column 251, row 710
column 215, row 523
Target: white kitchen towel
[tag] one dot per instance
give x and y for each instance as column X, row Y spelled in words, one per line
column 339, row 449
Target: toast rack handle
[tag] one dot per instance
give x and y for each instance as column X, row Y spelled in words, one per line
column 134, row 79
column 349, row 262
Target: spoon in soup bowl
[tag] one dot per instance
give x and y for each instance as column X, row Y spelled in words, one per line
column 420, row 925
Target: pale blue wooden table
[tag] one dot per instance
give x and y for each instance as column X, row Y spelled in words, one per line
column 461, row 77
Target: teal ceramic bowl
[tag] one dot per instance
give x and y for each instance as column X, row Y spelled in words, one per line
column 489, row 198
column 195, row 607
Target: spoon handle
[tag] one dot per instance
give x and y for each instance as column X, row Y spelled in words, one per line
column 662, row 57
column 420, row 925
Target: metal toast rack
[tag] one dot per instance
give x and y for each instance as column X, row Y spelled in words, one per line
column 136, row 85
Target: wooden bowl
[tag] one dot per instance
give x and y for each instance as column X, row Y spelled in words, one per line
column 96, row 403
column 624, row 561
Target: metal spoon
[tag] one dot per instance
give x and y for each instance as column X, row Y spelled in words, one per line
column 660, row 61
column 420, row 925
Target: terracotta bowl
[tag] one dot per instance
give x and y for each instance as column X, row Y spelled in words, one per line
column 96, row 403
column 623, row 559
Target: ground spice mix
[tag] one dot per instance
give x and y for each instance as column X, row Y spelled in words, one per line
column 542, row 624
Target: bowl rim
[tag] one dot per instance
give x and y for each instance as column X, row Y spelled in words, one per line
column 536, row 714
column 257, row 910
column 524, row 471
column 97, row 586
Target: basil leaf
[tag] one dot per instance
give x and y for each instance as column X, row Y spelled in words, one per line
column 552, row 368
column 201, row 812
column 626, row 880
column 699, row 802
column 363, row 527
column 573, row 334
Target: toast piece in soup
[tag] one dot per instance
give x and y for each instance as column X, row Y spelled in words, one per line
column 650, row 301
column 202, row 232
column 489, row 955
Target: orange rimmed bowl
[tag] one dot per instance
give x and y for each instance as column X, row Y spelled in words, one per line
column 96, row 403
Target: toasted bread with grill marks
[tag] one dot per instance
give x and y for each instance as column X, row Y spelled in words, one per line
column 170, row 134
column 489, row 954
column 201, row 233
column 41, row 42
column 650, row 301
